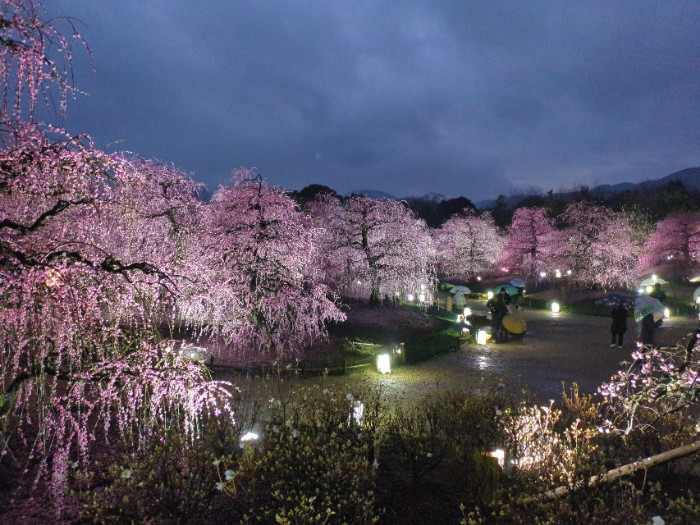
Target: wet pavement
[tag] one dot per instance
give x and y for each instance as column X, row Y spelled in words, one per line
column 559, row 349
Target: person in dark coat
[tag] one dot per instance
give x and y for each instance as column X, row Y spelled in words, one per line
column 658, row 293
column 646, row 330
column 499, row 308
column 619, row 324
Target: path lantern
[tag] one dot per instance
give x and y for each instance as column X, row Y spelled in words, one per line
column 384, row 363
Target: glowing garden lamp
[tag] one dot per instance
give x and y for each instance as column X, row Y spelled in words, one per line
column 640, row 291
column 555, row 308
column 654, row 277
column 410, row 297
column 649, row 289
column 481, row 337
column 467, row 312
column 557, row 274
column 667, row 313
column 543, row 274
column 421, row 298
column 489, row 295
column 384, row 363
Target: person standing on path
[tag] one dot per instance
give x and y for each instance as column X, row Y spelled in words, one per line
column 619, row 324
column 499, row 308
column 646, row 330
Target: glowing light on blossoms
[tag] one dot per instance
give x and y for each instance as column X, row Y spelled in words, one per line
column 249, row 436
column 53, row 279
column 500, row 456
column 357, row 411
column 543, row 274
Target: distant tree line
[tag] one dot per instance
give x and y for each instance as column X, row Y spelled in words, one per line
column 436, row 209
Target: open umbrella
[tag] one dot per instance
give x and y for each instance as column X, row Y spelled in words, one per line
column 460, row 289
column 651, row 281
column 509, row 288
column 613, row 299
column 517, row 282
column 644, row 305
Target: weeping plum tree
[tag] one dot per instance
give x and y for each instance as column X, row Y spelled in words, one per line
column 255, row 275
column 598, row 245
column 530, row 242
column 79, row 306
column 467, row 243
column 676, row 242
column 79, row 286
column 374, row 248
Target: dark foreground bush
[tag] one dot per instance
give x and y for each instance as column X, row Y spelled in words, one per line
column 347, row 456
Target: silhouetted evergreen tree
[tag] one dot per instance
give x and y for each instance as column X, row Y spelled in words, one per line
column 501, row 213
column 309, row 193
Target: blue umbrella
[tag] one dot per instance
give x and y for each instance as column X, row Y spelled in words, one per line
column 517, row 282
column 509, row 288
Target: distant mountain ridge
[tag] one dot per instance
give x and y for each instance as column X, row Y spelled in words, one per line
column 690, row 178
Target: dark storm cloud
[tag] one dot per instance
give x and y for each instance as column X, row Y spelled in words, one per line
column 471, row 98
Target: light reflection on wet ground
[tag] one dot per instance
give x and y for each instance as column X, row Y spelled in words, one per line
column 561, row 349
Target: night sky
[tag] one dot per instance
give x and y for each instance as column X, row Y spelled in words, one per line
column 473, row 98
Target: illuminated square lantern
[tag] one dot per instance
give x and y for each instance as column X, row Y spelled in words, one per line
column 384, row 363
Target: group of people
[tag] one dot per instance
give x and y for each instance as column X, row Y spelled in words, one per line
column 647, row 325
column 500, row 303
